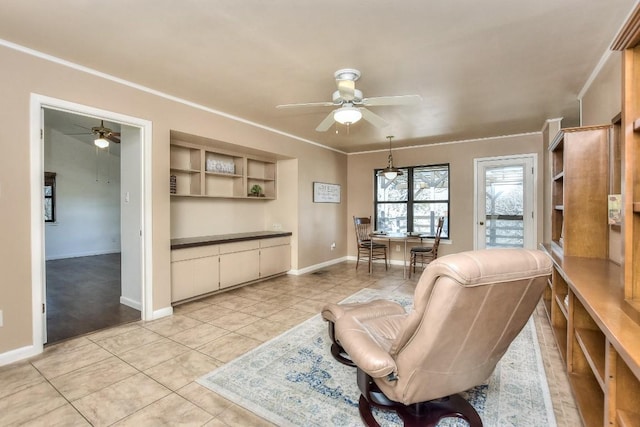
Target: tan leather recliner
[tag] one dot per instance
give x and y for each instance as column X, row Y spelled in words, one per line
column 467, row 309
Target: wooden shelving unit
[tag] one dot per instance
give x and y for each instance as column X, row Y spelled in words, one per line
column 203, row 170
column 186, row 166
column 597, row 341
column 628, row 41
column 580, row 164
column 598, row 327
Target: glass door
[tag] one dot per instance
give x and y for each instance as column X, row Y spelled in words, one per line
column 504, row 214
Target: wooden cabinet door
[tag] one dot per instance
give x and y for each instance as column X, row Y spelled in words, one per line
column 193, row 277
column 275, row 260
column 239, row 267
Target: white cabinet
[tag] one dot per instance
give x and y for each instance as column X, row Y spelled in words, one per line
column 239, row 263
column 194, row 271
column 275, row 256
column 205, row 269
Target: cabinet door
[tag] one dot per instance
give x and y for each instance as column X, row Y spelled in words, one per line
column 239, row 267
column 193, row 277
column 275, row 260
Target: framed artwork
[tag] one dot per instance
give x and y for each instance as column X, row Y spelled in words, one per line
column 326, row 193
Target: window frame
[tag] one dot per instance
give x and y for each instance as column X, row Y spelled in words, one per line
column 410, row 202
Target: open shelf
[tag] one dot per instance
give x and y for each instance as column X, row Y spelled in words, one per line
column 589, row 398
column 627, row 391
column 627, row 419
column 200, row 170
column 592, row 344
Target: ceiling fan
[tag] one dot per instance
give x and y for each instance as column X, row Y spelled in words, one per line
column 352, row 104
column 103, row 135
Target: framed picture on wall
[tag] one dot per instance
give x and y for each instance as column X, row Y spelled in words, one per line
column 326, row 193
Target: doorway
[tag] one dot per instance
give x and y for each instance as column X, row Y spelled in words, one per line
column 135, row 218
column 83, row 251
column 504, row 210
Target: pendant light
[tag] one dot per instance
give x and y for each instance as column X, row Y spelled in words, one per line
column 390, row 172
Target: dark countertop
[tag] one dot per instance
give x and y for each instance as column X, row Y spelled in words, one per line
column 191, row 242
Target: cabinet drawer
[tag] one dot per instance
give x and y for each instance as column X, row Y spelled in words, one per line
column 276, row 241
column 193, row 253
column 249, row 245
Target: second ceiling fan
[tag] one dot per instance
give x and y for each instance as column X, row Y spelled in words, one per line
column 352, row 104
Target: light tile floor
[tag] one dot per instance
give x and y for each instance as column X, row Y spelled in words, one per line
column 144, row 373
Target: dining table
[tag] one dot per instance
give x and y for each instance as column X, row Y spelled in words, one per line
column 402, row 237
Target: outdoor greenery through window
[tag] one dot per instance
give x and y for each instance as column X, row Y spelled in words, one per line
column 414, row 201
column 49, row 197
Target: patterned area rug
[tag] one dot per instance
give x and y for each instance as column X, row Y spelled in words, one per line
column 292, row 380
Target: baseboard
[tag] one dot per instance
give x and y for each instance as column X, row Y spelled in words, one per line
column 82, row 254
column 379, row 261
column 317, row 266
column 19, row 354
column 163, row 312
column 131, row 303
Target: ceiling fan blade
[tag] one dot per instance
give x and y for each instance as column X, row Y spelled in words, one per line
column 392, row 100
column 347, row 89
column 308, row 104
column 113, row 137
column 372, row 118
column 326, row 123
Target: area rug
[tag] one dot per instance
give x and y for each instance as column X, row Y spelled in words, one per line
column 292, row 380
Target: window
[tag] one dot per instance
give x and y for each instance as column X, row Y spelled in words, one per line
column 399, row 210
column 49, row 197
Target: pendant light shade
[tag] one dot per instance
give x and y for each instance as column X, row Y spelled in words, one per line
column 347, row 115
column 390, row 172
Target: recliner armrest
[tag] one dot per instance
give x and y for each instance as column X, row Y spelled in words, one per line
column 362, row 348
column 362, row 310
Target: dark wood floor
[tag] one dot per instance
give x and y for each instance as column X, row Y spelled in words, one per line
column 83, row 295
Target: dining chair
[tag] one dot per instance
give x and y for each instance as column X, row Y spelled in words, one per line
column 426, row 253
column 368, row 249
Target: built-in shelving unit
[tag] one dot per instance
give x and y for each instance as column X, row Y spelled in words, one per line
column 187, row 170
column 628, row 42
column 204, row 169
column 579, row 162
column 598, row 342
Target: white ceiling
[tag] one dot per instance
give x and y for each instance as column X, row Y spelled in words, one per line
column 483, row 68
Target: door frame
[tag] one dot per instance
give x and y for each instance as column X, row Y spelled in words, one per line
column 38, row 296
column 534, row 190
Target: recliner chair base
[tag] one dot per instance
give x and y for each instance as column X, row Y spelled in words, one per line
column 337, row 351
column 426, row 414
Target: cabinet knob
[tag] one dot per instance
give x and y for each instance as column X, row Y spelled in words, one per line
column 481, row 223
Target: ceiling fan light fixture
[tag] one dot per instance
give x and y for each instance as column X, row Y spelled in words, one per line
column 101, row 142
column 347, row 115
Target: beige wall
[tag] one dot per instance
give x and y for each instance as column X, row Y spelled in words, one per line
column 603, row 100
column 601, row 103
column 314, row 226
column 460, row 156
